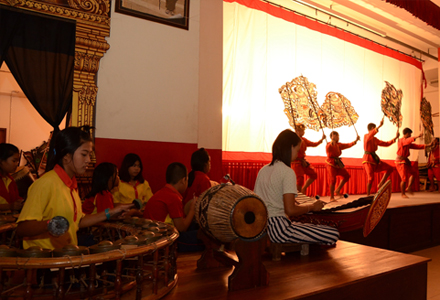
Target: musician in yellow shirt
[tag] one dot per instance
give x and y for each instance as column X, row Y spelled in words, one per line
column 55, row 195
column 132, row 185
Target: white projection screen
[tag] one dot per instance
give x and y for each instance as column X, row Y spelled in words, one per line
column 262, row 52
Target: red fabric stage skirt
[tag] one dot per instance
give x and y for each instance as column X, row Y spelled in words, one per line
column 245, row 173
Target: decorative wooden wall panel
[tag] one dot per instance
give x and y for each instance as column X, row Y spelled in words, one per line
column 92, row 27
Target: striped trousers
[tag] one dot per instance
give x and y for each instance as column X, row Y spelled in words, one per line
column 282, row 230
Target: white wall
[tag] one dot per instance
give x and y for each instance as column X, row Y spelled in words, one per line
column 210, row 74
column 149, row 82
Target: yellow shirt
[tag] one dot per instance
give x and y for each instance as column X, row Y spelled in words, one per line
column 6, row 181
column 48, row 197
column 127, row 193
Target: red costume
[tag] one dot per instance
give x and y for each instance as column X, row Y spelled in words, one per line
column 165, row 205
column 335, row 167
column 200, row 184
column 403, row 165
column 434, row 165
column 100, row 202
column 371, row 162
column 301, row 166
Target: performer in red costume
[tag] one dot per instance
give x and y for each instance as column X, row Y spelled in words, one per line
column 434, row 164
column 371, row 162
column 335, row 167
column 403, row 165
column 300, row 165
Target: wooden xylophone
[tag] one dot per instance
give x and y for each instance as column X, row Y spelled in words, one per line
column 364, row 212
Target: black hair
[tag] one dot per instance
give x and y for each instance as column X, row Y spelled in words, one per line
column 7, row 150
column 66, row 142
column 101, row 175
column 406, row 130
column 371, row 126
column 129, row 160
column 333, row 133
column 175, row 172
column 199, row 159
column 282, row 147
column 300, row 126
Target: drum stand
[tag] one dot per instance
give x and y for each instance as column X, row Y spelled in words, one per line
column 249, row 271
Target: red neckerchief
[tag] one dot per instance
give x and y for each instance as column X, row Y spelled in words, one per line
column 136, row 194
column 11, row 195
column 71, row 184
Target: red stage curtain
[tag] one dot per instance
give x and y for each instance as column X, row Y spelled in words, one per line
column 245, row 173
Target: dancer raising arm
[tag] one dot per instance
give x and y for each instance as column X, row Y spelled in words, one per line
column 371, row 162
column 335, row 167
column 434, row 164
column 300, row 165
column 403, row 164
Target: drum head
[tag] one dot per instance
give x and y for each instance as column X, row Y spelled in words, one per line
column 249, row 217
column 378, row 207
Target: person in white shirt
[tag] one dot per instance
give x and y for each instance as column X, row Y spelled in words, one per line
column 276, row 185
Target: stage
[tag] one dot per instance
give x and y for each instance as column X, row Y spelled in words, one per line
column 408, row 224
column 347, row 271
column 351, row 270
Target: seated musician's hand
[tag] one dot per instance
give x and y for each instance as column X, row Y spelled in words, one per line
column 124, row 210
column 318, row 205
column 190, row 206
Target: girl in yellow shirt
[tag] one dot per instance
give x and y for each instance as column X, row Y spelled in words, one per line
column 56, row 194
column 132, row 185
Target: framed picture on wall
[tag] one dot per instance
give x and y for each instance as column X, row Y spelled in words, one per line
column 169, row 12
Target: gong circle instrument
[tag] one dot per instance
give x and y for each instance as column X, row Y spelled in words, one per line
column 70, row 250
column 229, row 212
column 130, row 261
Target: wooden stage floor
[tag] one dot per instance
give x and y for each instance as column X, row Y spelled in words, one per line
column 346, row 271
column 351, row 270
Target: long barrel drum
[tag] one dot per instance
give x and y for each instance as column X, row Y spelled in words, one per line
column 228, row 212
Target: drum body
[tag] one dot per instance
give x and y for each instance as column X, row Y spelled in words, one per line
column 227, row 212
column 24, row 178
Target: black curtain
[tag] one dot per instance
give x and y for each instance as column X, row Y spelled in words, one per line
column 40, row 53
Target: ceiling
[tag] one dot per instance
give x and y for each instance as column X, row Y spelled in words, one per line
column 377, row 20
